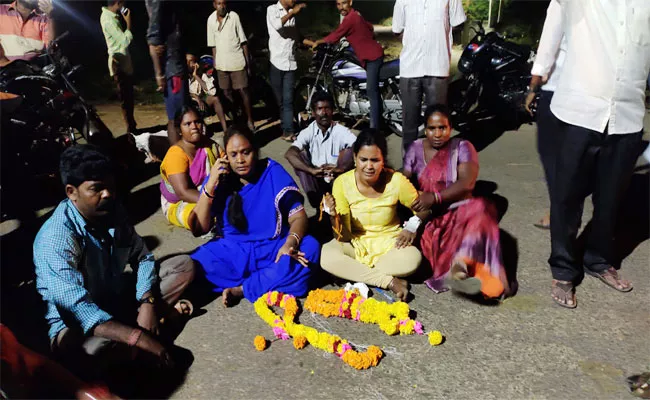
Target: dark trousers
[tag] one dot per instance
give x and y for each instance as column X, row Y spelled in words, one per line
column 587, row 161
column 372, row 88
column 282, row 83
column 548, row 127
column 435, row 91
column 124, row 85
column 314, row 187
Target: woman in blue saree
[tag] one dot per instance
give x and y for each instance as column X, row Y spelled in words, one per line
column 259, row 209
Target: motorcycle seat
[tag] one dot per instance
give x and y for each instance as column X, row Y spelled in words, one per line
column 389, row 69
column 522, row 50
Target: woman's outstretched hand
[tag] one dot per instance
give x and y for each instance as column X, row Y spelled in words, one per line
column 288, row 250
column 424, row 202
column 405, row 239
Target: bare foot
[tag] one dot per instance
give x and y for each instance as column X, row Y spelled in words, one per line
column 400, row 287
column 545, row 222
column 230, row 296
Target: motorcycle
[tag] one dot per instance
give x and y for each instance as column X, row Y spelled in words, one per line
column 494, row 82
column 335, row 69
column 48, row 115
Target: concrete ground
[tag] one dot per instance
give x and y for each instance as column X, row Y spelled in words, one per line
column 527, row 347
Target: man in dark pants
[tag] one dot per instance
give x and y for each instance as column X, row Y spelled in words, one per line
column 547, row 68
column 283, row 34
column 168, row 56
column 425, row 28
column 599, row 102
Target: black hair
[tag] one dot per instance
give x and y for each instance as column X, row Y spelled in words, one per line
column 371, row 137
column 178, row 118
column 82, row 163
column 321, row 95
column 109, row 3
column 235, row 213
column 437, row 108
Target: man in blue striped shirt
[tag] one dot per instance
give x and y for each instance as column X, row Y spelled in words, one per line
column 81, row 253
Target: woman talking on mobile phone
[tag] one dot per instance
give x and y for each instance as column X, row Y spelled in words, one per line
column 259, row 209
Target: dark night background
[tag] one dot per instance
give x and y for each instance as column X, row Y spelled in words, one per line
column 522, row 20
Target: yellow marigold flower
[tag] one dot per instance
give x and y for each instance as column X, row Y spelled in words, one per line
column 435, row 338
column 299, row 342
column 260, row 343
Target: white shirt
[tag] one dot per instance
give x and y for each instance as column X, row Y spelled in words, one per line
column 549, row 59
column 426, row 46
column 282, row 38
column 602, row 84
column 227, row 39
column 324, row 149
column 196, row 89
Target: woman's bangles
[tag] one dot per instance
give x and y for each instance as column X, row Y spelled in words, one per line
column 295, row 236
column 437, row 197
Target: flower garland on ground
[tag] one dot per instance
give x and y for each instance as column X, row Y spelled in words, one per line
column 285, row 327
column 391, row 318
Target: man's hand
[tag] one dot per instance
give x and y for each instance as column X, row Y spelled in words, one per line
column 317, row 172
column 149, row 344
column 195, row 71
column 201, row 104
column 529, row 100
column 45, row 6
column 147, row 318
column 127, row 19
column 424, row 202
column 296, row 9
column 332, row 169
column 405, row 239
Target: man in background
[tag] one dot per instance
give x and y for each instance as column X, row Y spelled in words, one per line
column 120, row 66
column 426, row 30
column 231, row 57
column 25, row 28
column 168, row 56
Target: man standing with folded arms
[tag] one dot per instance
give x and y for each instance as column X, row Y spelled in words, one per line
column 599, row 102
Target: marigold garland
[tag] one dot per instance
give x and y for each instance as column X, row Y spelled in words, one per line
column 286, row 327
column 299, row 342
column 391, row 318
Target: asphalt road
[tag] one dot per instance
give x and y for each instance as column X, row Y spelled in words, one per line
column 527, row 347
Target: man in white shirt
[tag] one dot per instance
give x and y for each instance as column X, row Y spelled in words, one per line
column 426, row 29
column 599, row 101
column 322, row 151
column 545, row 74
column 283, row 34
column 231, row 57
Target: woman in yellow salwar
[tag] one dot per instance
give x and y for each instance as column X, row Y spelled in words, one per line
column 185, row 167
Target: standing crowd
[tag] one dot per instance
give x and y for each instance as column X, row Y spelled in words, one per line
column 591, row 70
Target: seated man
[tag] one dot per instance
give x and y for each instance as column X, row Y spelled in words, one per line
column 25, row 28
column 201, row 84
column 80, row 254
column 322, row 151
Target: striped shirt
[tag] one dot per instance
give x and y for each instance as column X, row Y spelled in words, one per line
column 80, row 268
column 427, row 38
column 117, row 42
column 23, row 39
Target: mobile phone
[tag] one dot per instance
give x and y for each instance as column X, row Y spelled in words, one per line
column 124, row 10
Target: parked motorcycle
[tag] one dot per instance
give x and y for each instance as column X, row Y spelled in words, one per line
column 48, row 116
column 334, row 68
column 496, row 74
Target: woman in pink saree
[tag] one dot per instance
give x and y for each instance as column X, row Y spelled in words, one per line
column 461, row 242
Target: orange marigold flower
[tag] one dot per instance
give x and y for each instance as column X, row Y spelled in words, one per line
column 260, row 343
column 299, row 342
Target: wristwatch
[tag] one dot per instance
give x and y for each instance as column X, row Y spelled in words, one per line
column 148, row 300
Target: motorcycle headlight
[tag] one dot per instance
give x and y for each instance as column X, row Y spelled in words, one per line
column 465, row 66
column 496, row 61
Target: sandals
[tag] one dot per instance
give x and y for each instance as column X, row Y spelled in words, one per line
column 611, row 278
column 460, row 281
column 542, row 224
column 640, row 385
column 290, row 138
column 563, row 290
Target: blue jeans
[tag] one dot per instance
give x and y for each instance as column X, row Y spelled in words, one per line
column 372, row 88
column 282, row 83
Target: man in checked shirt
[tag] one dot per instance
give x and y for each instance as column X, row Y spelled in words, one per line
column 81, row 252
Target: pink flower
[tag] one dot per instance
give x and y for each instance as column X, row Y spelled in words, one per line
column 280, row 333
column 418, row 328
